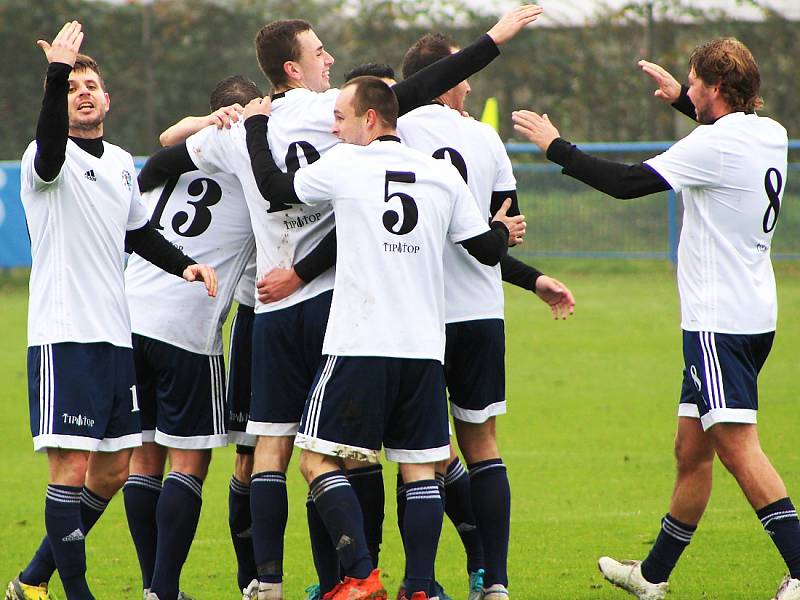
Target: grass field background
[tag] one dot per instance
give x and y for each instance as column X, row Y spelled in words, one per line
column 588, row 443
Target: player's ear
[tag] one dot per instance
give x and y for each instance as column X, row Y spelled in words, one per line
column 107, row 99
column 372, row 117
column 292, row 70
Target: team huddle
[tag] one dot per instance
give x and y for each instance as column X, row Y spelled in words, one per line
column 363, row 232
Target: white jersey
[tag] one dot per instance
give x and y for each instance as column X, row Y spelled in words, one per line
column 299, row 132
column 246, row 288
column 207, row 219
column 394, row 208
column 472, row 290
column 77, row 225
column 732, row 175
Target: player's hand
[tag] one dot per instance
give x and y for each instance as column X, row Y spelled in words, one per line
column 226, row 116
column 669, row 89
column 537, row 128
column 556, row 295
column 511, row 23
column 65, row 46
column 204, row 273
column 516, row 225
column 258, row 106
column 277, row 285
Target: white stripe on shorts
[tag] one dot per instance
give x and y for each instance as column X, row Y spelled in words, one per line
column 714, row 386
column 315, row 406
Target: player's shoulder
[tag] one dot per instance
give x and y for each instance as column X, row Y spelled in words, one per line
column 117, row 152
column 303, row 99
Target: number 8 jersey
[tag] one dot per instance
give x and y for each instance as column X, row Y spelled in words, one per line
column 732, row 175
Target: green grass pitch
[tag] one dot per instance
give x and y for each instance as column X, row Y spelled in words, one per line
column 588, row 444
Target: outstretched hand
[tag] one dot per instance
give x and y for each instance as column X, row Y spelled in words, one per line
column 516, row 225
column 537, row 128
column 669, row 89
column 511, row 23
column 204, row 273
column 65, row 46
column 556, row 295
column 258, row 106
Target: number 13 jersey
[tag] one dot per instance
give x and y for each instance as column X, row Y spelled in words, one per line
column 732, row 175
column 206, row 217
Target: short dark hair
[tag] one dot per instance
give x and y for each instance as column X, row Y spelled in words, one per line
column 232, row 90
column 372, row 92
column 374, row 69
column 426, row 51
column 85, row 62
column 276, row 43
column 729, row 64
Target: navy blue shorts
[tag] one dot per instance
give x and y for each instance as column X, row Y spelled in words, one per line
column 83, row 397
column 287, row 349
column 182, row 395
column 720, row 378
column 359, row 403
column 240, row 359
column 474, row 368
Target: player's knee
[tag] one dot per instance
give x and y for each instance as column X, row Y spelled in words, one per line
column 243, row 467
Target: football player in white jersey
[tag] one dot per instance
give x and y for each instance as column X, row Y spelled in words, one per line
column 731, row 171
column 475, row 351
column 179, row 364
column 382, row 381
column 294, row 59
column 83, row 209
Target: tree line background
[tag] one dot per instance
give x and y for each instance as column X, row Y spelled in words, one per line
column 161, row 59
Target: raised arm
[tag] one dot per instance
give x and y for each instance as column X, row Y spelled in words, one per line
column 222, row 117
column 166, row 163
column 436, row 79
column 52, row 128
column 271, row 181
column 669, row 90
column 619, row 180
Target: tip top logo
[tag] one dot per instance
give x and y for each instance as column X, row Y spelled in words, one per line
column 127, row 179
column 301, row 221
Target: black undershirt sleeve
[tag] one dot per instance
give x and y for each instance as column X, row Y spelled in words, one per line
column 167, row 162
column 489, row 247
column 321, row 258
column 616, row 179
column 497, row 201
column 52, row 128
column 684, row 104
column 271, row 181
column 518, row 273
column 148, row 243
column 435, row 79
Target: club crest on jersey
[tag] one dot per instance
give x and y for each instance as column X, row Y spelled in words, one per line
column 127, row 179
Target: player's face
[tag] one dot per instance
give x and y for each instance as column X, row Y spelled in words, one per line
column 457, row 96
column 87, row 101
column 314, row 63
column 346, row 125
column 700, row 95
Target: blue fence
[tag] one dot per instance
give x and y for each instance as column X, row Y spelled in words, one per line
column 565, row 217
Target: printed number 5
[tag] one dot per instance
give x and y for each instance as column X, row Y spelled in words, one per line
column 410, row 214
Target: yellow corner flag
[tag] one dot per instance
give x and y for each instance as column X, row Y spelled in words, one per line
column 490, row 114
